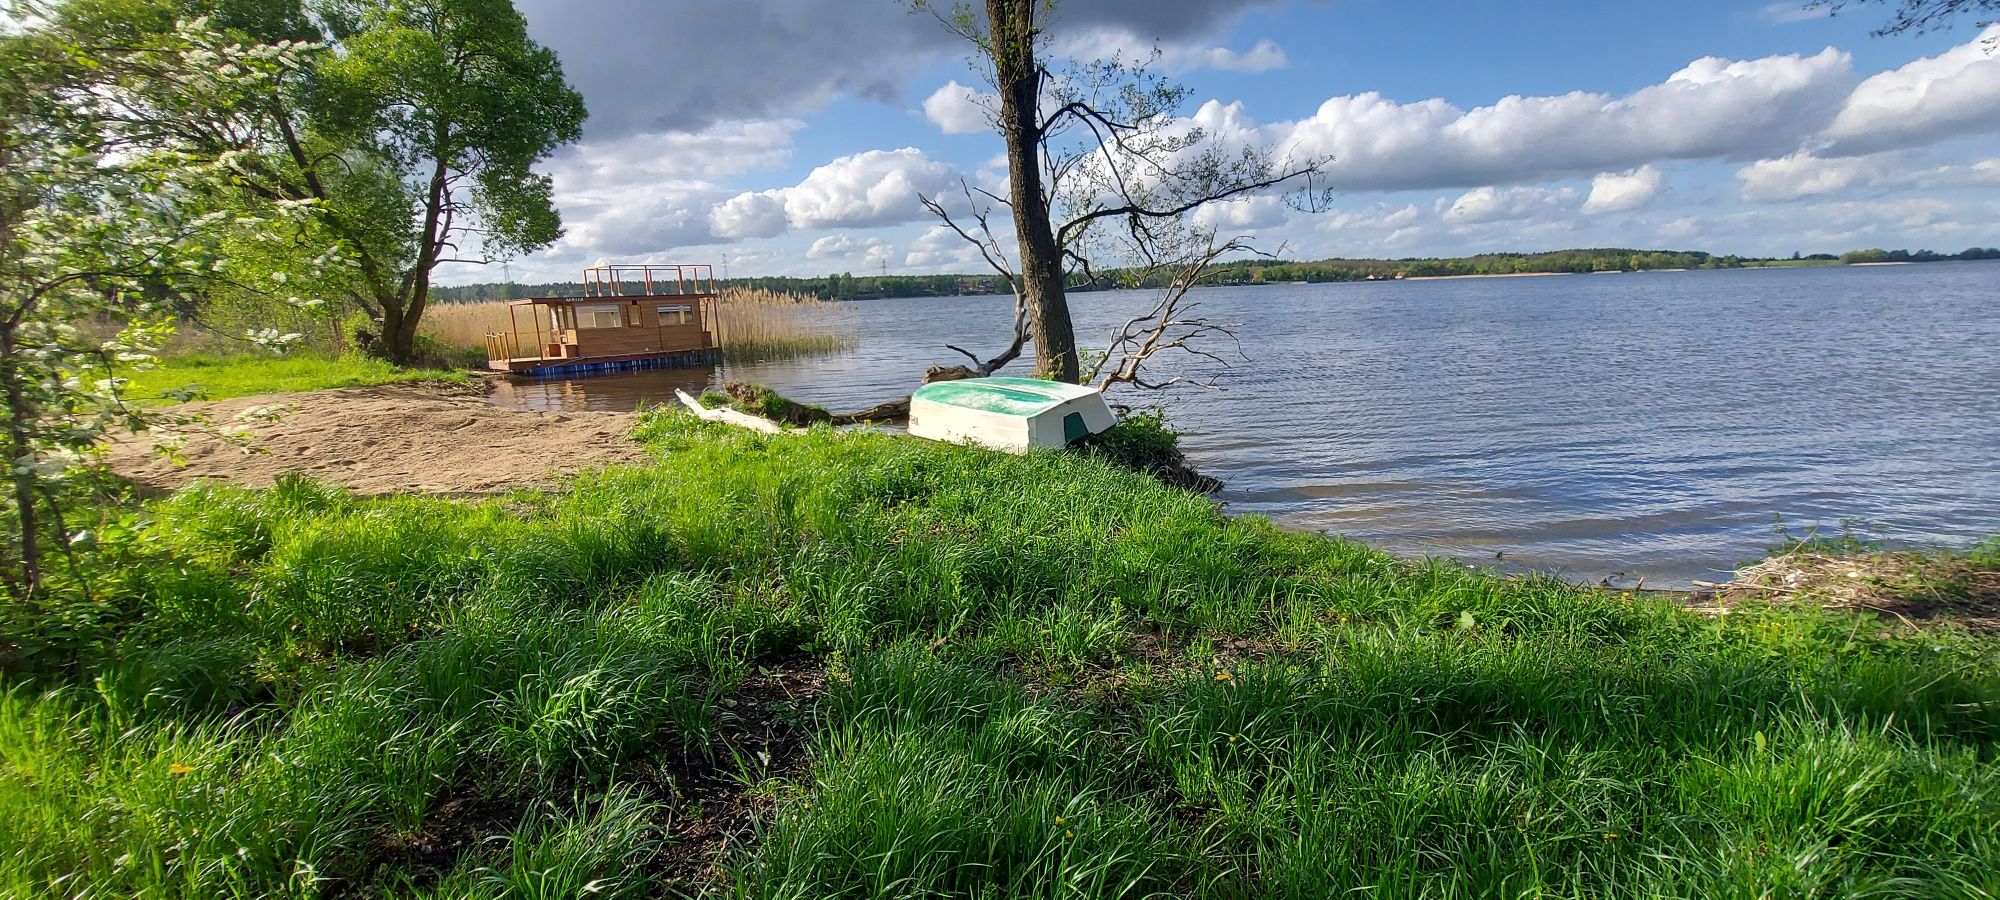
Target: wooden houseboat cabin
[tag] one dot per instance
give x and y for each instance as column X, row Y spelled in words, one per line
column 632, row 316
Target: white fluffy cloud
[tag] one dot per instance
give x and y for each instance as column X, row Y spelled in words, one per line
column 957, row 109
column 1624, row 191
column 648, row 65
column 879, row 187
column 757, row 214
column 1833, row 157
column 1804, row 174
column 721, row 149
column 1263, row 57
column 939, row 247
column 1930, row 99
column 649, row 193
column 1174, row 57
column 848, row 247
column 1506, row 204
column 1713, row 108
column 1243, row 215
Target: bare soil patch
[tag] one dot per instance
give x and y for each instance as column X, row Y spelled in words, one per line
column 399, row 438
column 714, row 805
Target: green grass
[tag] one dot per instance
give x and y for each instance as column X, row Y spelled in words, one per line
column 885, row 667
column 207, row 377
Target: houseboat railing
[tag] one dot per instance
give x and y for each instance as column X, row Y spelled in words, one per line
column 652, row 280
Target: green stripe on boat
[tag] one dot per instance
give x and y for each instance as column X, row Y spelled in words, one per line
column 1008, row 396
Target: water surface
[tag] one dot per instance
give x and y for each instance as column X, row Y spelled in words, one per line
column 1648, row 425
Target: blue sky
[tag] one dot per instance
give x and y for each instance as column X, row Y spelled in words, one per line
column 794, row 136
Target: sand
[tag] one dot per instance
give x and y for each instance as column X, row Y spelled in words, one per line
column 406, row 438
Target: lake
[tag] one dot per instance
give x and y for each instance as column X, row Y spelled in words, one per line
column 1646, row 426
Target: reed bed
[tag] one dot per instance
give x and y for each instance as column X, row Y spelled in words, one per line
column 465, row 324
column 749, row 323
column 760, row 323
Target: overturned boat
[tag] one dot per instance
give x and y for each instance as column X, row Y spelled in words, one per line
column 1011, row 414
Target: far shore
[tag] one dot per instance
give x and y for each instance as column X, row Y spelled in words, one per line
column 1494, row 275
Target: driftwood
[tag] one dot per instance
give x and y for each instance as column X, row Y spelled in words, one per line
column 730, row 416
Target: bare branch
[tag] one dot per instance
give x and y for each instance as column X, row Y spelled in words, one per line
column 996, row 258
column 1169, row 325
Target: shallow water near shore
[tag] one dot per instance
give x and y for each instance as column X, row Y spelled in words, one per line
column 1644, row 426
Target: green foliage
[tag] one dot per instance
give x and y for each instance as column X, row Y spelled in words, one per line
column 452, row 105
column 1043, row 676
column 760, row 400
column 404, row 139
column 101, row 232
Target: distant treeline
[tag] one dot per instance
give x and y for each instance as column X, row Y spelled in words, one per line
column 843, row 286
column 1879, row 255
column 1561, row 261
column 846, row 286
column 1254, row 271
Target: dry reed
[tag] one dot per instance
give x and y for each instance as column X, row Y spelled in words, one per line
column 755, row 322
column 749, row 322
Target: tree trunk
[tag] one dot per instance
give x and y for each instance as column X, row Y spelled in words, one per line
column 401, row 342
column 401, row 314
column 386, row 344
column 1018, row 75
column 19, row 447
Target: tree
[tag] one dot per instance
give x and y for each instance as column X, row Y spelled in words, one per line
column 410, row 136
column 1094, row 146
column 1917, row 16
column 455, row 102
column 100, row 230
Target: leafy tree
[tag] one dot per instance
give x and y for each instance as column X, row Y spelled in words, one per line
column 452, row 104
column 410, row 137
column 1101, row 171
column 101, row 230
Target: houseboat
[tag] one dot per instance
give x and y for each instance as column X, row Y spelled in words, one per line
column 628, row 317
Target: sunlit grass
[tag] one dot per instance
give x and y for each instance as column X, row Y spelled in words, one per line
column 218, row 377
column 1044, row 677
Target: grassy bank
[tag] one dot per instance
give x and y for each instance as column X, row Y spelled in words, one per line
column 862, row 665
column 215, row 377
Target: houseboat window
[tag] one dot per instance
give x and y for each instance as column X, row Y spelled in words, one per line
column 675, row 315
column 609, row 315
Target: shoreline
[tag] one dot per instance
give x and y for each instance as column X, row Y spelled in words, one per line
column 1494, row 275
